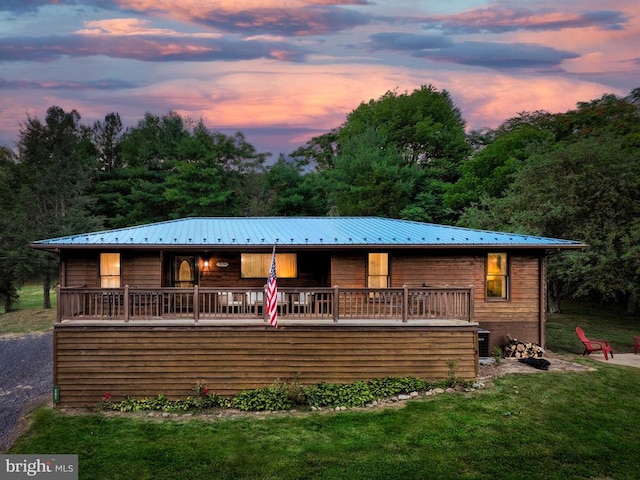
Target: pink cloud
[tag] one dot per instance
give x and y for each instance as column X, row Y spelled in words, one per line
column 134, row 27
column 507, row 18
column 286, row 17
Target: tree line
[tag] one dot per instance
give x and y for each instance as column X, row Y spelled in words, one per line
column 404, row 155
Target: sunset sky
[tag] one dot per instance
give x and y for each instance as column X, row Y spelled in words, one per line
column 283, row 71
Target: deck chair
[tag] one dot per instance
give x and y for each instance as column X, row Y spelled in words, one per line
column 594, row 345
column 301, row 304
column 255, row 301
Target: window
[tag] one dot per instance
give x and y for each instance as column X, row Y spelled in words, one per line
column 497, row 276
column 257, row 265
column 109, row 270
column 378, row 271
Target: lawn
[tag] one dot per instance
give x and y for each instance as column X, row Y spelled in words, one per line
column 615, row 326
column 29, row 316
column 546, row 425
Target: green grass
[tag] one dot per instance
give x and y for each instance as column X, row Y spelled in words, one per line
column 616, row 327
column 552, row 425
column 29, row 316
column 540, row 426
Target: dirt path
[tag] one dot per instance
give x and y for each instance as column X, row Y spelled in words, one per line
column 25, row 379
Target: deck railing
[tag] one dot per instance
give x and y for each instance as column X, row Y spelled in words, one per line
column 130, row 304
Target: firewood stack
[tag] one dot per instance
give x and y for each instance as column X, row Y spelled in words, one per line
column 517, row 349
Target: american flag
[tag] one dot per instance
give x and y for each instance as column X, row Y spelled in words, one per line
column 272, row 293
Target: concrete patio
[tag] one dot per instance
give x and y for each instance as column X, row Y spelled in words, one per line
column 626, row 359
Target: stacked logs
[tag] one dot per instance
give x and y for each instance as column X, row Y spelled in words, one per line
column 517, row 349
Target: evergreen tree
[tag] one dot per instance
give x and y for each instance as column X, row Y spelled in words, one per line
column 56, row 163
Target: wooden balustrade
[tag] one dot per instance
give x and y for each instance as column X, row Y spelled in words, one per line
column 130, row 304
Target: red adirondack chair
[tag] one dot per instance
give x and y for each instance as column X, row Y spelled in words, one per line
column 594, row 345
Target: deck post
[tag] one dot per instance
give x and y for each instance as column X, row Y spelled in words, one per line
column 126, row 304
column 265, row 315
column 58, row 305
column 470, row 306
column 405, row 303
column 196, row 305
column 335, row 302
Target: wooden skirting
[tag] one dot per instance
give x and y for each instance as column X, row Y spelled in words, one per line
column 144, row 361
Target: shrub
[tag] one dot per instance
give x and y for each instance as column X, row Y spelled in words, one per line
column 280, row 396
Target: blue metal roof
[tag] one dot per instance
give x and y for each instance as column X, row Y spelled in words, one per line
column 298, row 231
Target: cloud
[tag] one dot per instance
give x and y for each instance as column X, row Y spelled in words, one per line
column 305, row 21
column 149, row 48
column 22, row 6
column 134, row 26
column 399, row 41
column 489, row 99
column 497, row 19
column 499, row 55
column 256, row 17
column 106, row 84
column 293, row 18
column 479, row 54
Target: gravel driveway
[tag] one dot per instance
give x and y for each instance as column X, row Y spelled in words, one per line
column 26, row 379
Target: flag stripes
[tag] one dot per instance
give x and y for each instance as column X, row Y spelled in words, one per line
column 272, row 293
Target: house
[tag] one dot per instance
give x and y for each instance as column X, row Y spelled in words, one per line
column 156, row 308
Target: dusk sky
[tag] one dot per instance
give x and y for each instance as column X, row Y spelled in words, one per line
column 283, row 71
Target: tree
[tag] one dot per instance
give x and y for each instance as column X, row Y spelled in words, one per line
column 370, row 177
column 588, row 190
column 289, row 192
column 106, row 138
column 582, row 183
column 56, row 164
column 133, row 193
column 10, row 279
column 491, row 170
column 320, row 151
column 424, row 126
column 196, row 186
column 426, row 131
column 171, row 168
column 215, row 174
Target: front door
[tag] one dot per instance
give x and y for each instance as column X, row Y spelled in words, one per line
column 185, row 272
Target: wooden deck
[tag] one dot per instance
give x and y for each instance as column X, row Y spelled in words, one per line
column 145, row 342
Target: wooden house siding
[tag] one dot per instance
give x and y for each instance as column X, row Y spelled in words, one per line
column 519, row 316
column 80, row 269
column 348, row 270
column 152, row 360
column 436, row 270
column 141, row 269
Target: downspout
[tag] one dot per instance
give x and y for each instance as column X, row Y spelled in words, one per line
column 542, row 315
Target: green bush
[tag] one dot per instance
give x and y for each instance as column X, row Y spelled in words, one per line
column 339, row 395
column 280, row 396
column 388, row 386
column 262, row 399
